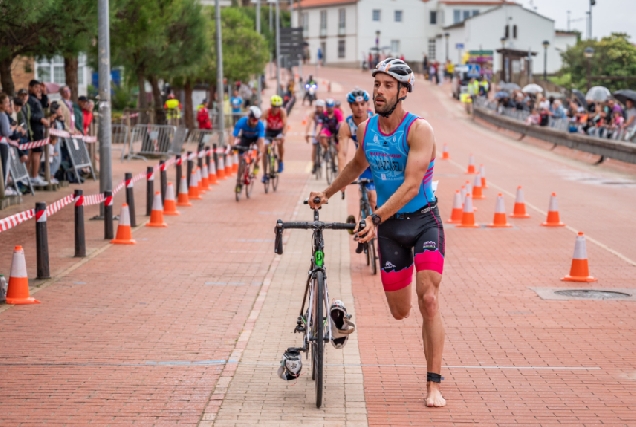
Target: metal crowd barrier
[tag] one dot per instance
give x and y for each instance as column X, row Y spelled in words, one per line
column 17, row 170
column 157, row 140
column 78, row 153
column 119, row 137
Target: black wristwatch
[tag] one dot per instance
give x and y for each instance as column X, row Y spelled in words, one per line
column 376, row 220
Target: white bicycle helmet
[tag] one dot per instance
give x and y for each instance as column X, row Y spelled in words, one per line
column 255, row 112
column 397, row 69
column 320, row 103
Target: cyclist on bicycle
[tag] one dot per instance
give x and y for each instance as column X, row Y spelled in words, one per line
column 247, row 131
column 359, row 103
column 276, row 119
column 330, row 125
column 400, row 149
column 316, row 118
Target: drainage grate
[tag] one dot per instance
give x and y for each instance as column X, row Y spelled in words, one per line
column 592, row 294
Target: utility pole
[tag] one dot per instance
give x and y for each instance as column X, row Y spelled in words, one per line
column 259, row 86
column 277, row 47
column 219, row 72
column 104, row 107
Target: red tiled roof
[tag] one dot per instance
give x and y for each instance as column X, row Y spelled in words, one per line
column 317, row 3
column 477, row 2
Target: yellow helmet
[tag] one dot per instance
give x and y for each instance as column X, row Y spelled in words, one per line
column 277, row 101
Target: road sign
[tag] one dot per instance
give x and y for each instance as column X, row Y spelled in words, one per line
column 291, row 41
column 474, row 70
column 459, row 46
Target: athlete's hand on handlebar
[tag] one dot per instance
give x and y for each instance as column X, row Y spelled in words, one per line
column 317, row 199
column 367, row 233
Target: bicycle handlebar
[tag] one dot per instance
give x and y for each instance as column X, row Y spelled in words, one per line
column 362, row 181
column 316, row 225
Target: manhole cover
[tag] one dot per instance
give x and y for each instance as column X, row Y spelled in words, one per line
column 592, row 294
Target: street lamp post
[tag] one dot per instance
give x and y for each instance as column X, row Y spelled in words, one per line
column 546, row 44
column 446, row 36
column 278, row 48
column 219, row 72
column 589, row 53
column 104, row 105
column 504, row 68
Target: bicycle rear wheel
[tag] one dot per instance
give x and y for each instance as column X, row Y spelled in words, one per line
column 266, row 170
column 249, row 185
column 317, row 162
column 327, row 162
column 318, row 346
column 239, row 176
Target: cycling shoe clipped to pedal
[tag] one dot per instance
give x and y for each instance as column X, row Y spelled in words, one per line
column 343, row 326
column 290, row 365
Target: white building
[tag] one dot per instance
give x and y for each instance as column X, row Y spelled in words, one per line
column 345, row 30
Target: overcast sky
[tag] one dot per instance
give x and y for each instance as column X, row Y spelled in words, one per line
column 607, row 16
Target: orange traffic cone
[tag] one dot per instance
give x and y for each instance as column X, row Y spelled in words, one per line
column 482, row 173
column 220, row 172
column 205, row 184
column 183, row 200
column 468, row 189
column 519, row 210
column 456, row 214
column 156, row 214
column 124, row 232
column 170, row 204
column 580, row 270
column 18, row 290
column 193, row 191
column 445, row 154
column 553, row 219
column 228, row 165
column 468, row 215
column 212, row 174
column 471, row 165
column 199, row 181
column 477, row 193
column 500, row 213
column 305, row 122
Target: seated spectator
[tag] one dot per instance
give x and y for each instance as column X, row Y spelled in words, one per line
column 617, row 124
column 557, row 110
column 630, row 120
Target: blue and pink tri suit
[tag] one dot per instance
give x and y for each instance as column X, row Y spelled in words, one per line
column 415, row 235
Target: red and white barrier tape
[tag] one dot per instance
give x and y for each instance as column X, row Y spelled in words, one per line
column 28, row 145
column 15, row 219
column 94, row 199
column 59, row 204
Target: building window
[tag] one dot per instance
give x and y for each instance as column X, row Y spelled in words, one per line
column 433, row 17
column 457, row 16
column 475, row 12
column 342, row 21
column 514, row 32
column 376, row 15
column 431, row 49
column 398, row 16
column 466, row 14
column 323, row 23
column 305, row 23
column 395, row 47
column 52, row 70
column 507, row 31
column 341, row 49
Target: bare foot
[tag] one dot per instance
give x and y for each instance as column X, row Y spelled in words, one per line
column 434, row 396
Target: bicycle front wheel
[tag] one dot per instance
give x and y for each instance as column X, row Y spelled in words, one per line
column 319, row 329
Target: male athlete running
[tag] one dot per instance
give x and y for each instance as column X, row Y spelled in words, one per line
column 359, row 103
column 316, row 118
column 276, row 119
column 400, row 147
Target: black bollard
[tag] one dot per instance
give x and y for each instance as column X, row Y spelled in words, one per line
column 80, row 235
column 164, row 180
column 108, row 215
column 189, row 168
column 215, row 158
column 207, row 158
column 178, row 167
column 42, row 241
column 130, row 198
column 150, row 190
column 200, row 160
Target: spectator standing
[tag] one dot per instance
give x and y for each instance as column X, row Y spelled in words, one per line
column 87, row 113
column 38, row 124
column 630, row 119
column 21, row 134
column 558, row 111
column 173, row 110
column 73, row 117
column 5, row 133
column 425, row 66
column 44, row 98
column 203, row 117
column 237, row 103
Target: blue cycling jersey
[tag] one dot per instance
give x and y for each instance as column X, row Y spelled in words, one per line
column 387, row 155
column 353, row 128
column 242, row 127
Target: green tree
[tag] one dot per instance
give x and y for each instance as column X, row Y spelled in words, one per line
column 25, row 30
column 614, row 56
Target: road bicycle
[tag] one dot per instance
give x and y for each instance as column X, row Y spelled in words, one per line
column 271, row 164
column 313, row 322
column 326, row 157
column 245, row 175
column 366, row 210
